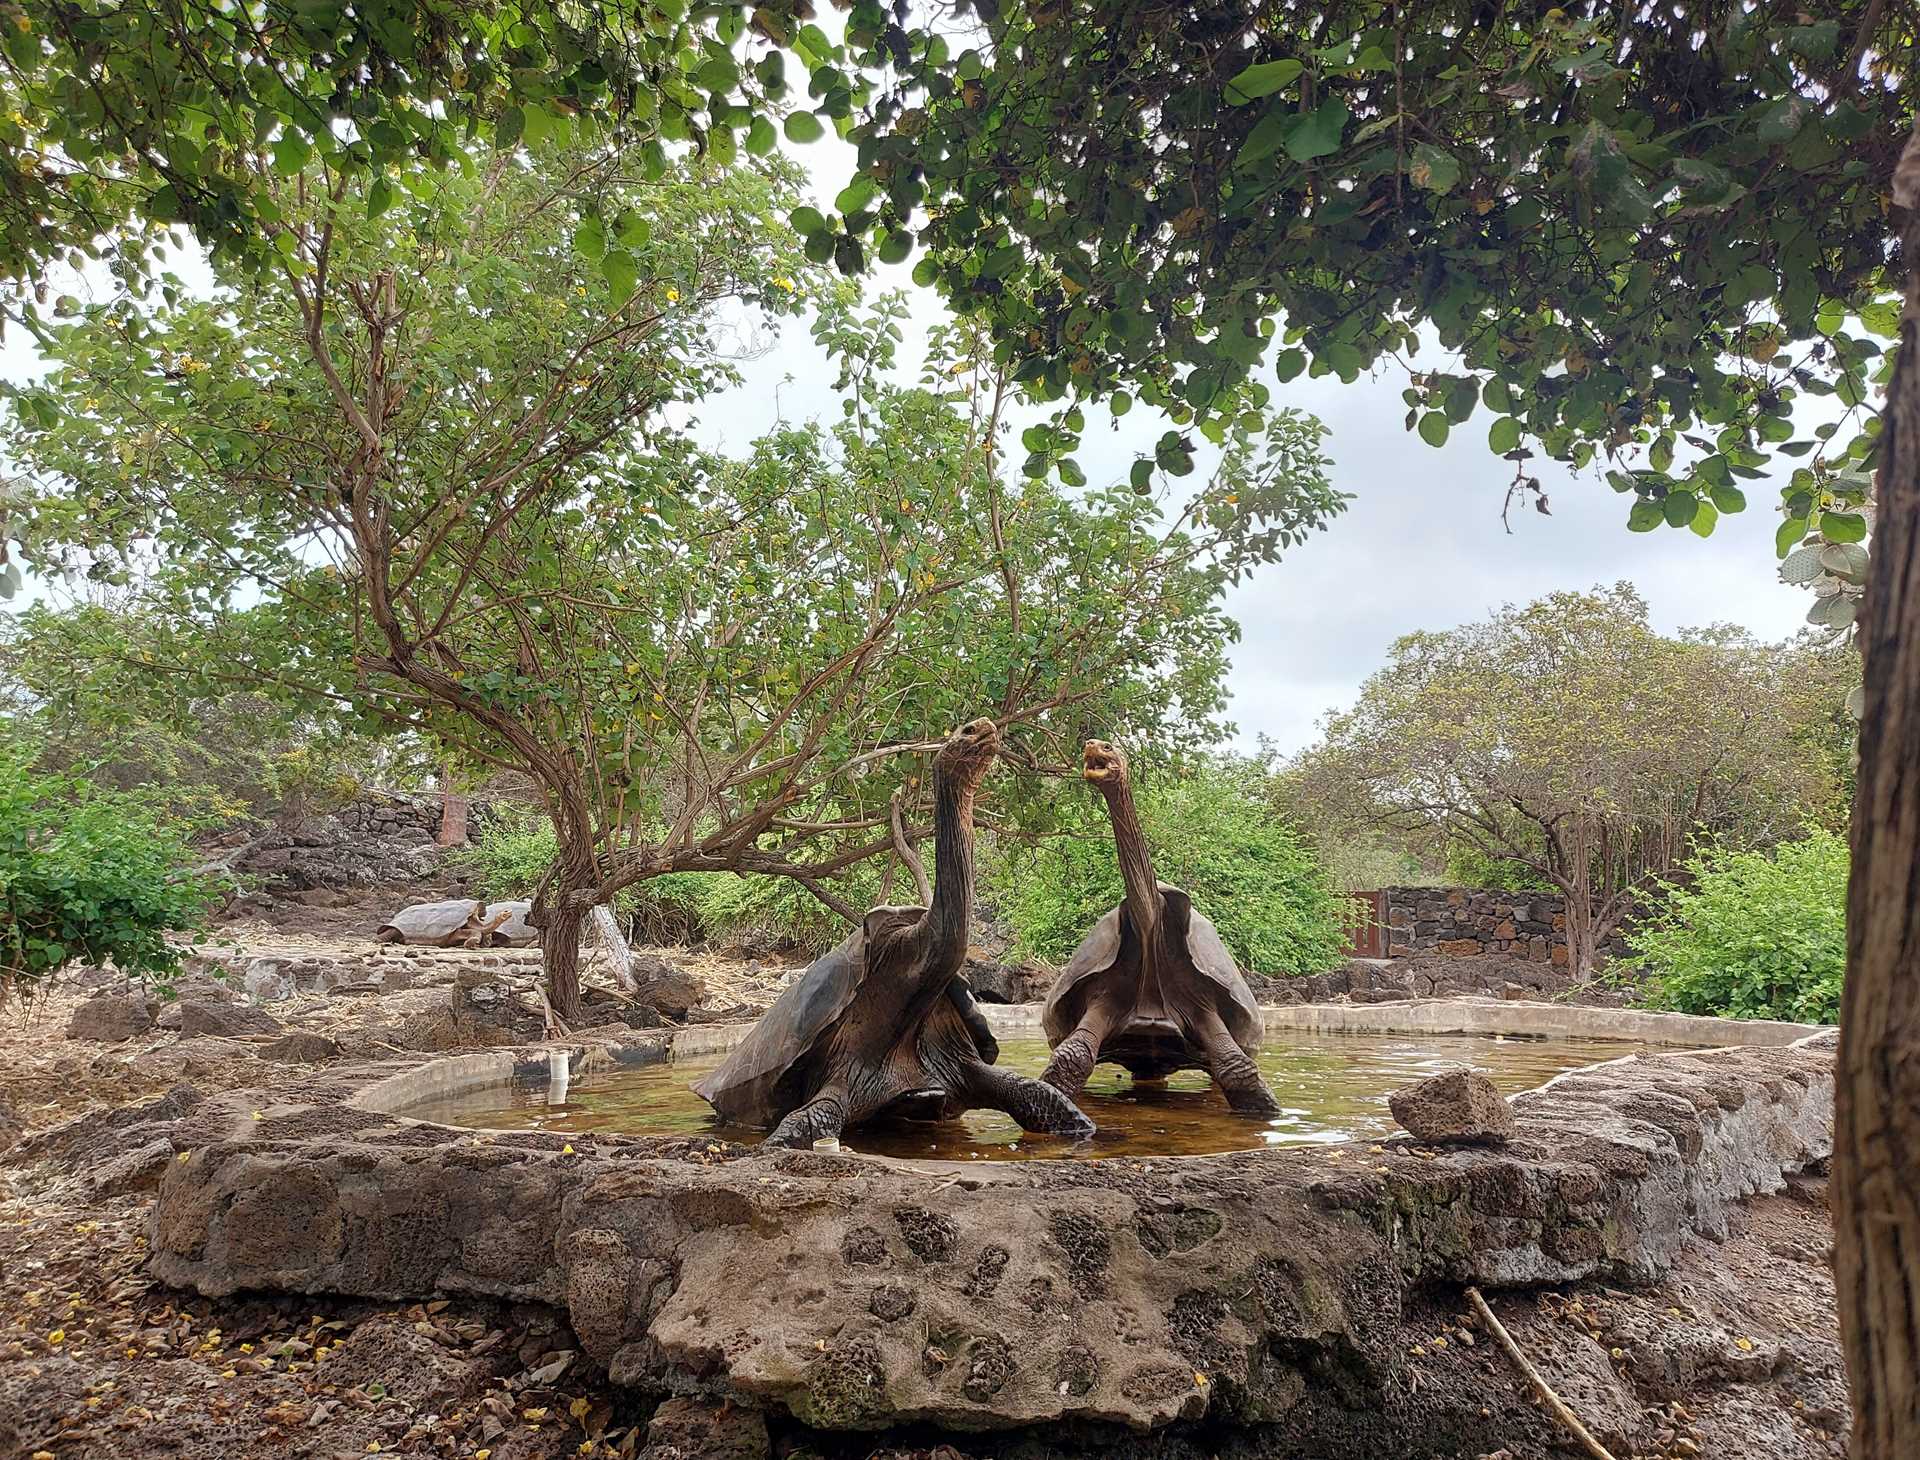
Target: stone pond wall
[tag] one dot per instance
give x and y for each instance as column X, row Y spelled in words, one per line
column 857, row 1294
column 1470, row 922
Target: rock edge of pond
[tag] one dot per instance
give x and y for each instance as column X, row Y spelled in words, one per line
column 859, row 1294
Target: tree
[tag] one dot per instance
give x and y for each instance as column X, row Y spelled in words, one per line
column 1570, row 739
column 1876, row 1162
column 443, row 496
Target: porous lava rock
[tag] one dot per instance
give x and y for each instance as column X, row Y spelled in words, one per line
column 1459, row 1106
column 111, row 1018
column 666, row 986
column 224, row 1021
column 695, row 1429
column 1260, row 1288
column 301, row 1046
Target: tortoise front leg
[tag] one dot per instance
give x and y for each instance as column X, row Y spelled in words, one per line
column 961, row 996
column 1236, row 1075
column 824, row 1115
column 1038, row 1107
column 1075, row 1056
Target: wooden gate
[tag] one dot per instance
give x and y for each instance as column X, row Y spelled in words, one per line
column 1367, row 925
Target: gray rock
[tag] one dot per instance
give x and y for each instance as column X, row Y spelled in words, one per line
column 266, row 981
column 1461, row 1106
column 226, row 1021
column 111, row 1018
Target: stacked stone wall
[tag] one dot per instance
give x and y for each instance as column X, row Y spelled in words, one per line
column 1471, row 922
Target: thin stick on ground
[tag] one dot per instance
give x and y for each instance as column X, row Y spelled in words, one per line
column 1540, row 1386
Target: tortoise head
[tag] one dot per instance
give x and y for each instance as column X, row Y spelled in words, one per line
column 969, row 752
column 1103, row 765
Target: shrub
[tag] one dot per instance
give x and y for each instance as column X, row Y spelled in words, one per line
column 89, row 876
column 1245, row 868
column 1752, row 935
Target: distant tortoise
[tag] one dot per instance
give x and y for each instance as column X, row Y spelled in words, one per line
column 1152, row 987
column 433, row 924
column 884, row 1023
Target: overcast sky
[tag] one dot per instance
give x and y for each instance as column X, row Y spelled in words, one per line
column 1420, row 546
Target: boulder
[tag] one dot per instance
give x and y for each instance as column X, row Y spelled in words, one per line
column 1007, row 983
column 1458, row 1107
column 111, row 1018
column 666, row 986
column 267, row 981
column 225, row 1021
column 387, row 1357
column 300, row 1047
column 699, row 1429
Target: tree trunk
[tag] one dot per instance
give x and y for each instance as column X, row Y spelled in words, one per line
column 1876, row 1159
column 453, row 814
column 560, row 956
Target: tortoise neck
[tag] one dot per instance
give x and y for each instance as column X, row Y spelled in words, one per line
column 1136, row 862
column 952, row 907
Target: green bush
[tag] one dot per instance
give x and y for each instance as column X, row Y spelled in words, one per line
column 1245, row 868
column 1752, row 935
column 89, row 876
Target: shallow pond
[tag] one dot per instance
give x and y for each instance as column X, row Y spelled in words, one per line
column 1331, row 1087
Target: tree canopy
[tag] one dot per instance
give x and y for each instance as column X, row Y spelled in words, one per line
column 1568, row 738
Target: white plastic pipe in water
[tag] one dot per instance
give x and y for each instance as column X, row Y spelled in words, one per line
column 559, row 1070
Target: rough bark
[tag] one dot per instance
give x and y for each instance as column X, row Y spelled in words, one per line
column 1876, row 1163
column 453, row 815
column 560, row 956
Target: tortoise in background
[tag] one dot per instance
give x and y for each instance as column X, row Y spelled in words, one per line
column 1152, row 987
column 884, row 1023
column 459, row 922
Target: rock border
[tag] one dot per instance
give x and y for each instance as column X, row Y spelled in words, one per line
column 861, row 1293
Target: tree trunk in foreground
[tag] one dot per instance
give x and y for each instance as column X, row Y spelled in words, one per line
column 1876, row 1160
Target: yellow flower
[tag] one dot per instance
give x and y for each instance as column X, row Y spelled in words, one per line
column 783, row 282
column 673, row 295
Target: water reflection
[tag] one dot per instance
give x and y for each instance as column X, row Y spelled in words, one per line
column 1330, row 1087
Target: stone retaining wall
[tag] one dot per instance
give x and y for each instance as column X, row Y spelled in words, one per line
column 859, row 1293
column 1470, row 922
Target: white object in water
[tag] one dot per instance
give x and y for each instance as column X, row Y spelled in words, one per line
column 827, row 1143
column 558, row 1072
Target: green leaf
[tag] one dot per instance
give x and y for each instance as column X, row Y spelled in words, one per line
column 804, row 127
column 807, row 220
column 1704, row 519
column 379, row 197
column 290, row 153
column 621, row 270
column 1728, row 498
column 1504, row 435
column 898, row 244
column 1660, row 457
column 1643, row 516
column 1434, row 428
column 1262, row 79
column 590, row 239
column 761, row 138
column 1431, row 168
column 1679, row 508
column 856, row 195
column 1289, row 363
column 1843, row 526
column 1316, row 133
column 1789, row 533
column 1070, row 472
column 1882, row 317
column 510, row 128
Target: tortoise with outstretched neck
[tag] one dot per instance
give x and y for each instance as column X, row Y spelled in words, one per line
column 1152, row 987
column 884, row 1024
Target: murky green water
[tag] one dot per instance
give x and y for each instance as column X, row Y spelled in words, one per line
column 1330, row 1087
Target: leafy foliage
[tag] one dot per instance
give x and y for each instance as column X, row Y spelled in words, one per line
column 88, row 876
column 422, row 475
column 1211, row 834
column 1752, row 935
column 1568, row 738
